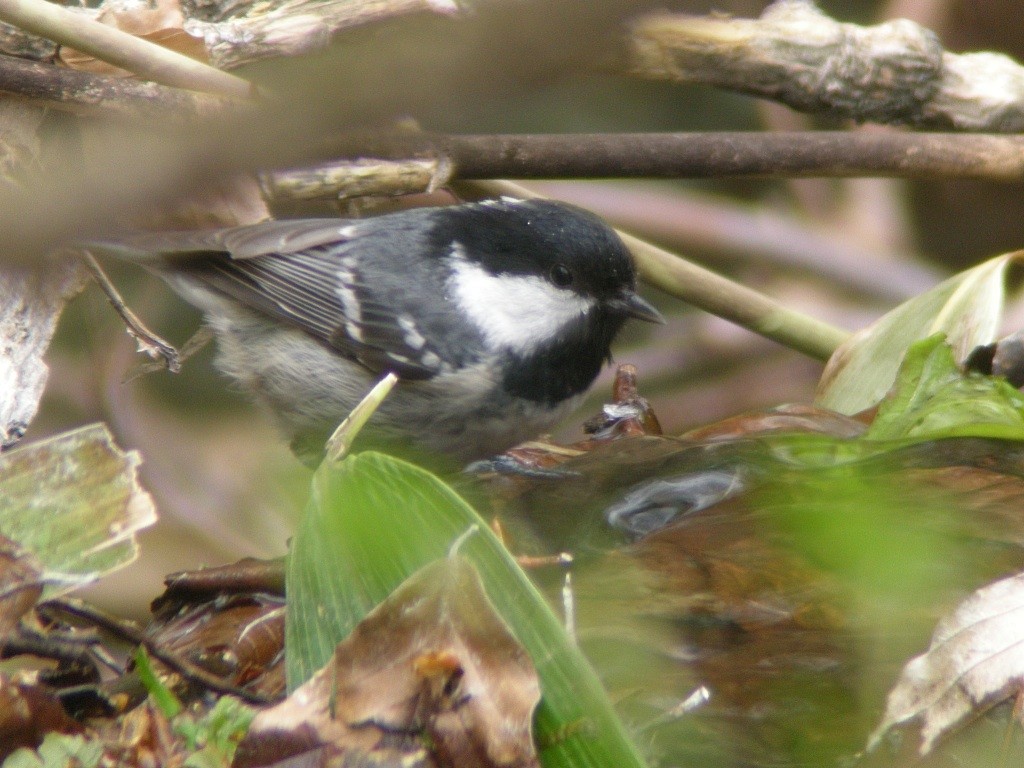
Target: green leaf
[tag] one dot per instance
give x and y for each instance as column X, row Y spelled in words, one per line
column 74, row 502
column 372, row 521
column 163, row 696
column 217, row 733
column 59, row 750
column 933, row 399
column 967, row 308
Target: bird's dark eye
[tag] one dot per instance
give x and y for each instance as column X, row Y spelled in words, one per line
column 561, row 276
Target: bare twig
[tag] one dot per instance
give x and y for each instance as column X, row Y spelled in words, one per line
column 148, row 341
column 195, row 343
column 246, row 576
column 702, row 155
column 896, row 72
column 129, row 633
column 121, row 49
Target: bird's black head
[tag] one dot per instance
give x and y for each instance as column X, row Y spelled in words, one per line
column 547, row 284
column 567, row 246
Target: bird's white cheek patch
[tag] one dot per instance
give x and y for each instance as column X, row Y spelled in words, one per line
column 513, row 311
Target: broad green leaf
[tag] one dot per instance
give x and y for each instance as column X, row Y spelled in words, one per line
column 74, row 502
column 373, row 521
column 933, row 399
column 967, row 308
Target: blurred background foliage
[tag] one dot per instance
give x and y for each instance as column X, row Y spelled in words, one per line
column 225, row 483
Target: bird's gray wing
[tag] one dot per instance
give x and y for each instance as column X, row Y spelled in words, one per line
column 304, row 272
column 322, row 292
column 245, row 242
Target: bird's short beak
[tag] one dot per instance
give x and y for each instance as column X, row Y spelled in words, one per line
column 632, row 305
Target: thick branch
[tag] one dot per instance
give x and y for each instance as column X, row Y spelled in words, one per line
column 294, row 27
column 896, row 72
column 80, row 91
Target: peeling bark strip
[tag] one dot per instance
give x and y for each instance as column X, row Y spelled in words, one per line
column 30, row 305
column 895, row 73
column 356, row 178
column 294, row 27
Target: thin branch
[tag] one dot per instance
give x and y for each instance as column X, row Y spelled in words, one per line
column 837, row 154
column 194, row 344
column 399, row 163
column 245, row 576
column 121, row 49
column 734, row 302
column 713, row 293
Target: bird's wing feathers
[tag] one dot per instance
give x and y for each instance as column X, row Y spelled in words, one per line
column 245, row 242
column 283, row 237
column 303, row 272
column 292, row 288
column 322, row 293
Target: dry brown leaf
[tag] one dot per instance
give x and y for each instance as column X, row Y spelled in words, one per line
column 432, row 676
column 976, row 660
column 781, row 420
column 21, row 584
column 143, row 737
column 239, row 638
column 27, row 713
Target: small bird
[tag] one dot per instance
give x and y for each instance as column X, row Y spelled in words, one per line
column 496, row 316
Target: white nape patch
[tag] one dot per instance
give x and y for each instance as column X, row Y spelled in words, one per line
column 349, row 303
column 512, row 311
column 502, row 201
column 410, row 334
